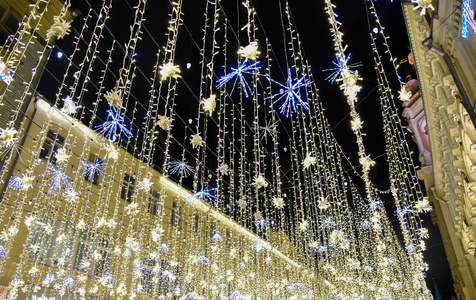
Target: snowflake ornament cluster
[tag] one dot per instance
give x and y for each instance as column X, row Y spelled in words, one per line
column 423, row 205
column 196, row 141
column 62, row 156
column 209, row 104
column 8, row 137
column 165, row 123
column 259, row 181
column 69, row 106
column 404, row 95
column 114, row 98
column 169, row 70
column 309, row 160
column 59, row 29
column 278, row 202
column 111, row 151
column 249, row 52
column 223, row 169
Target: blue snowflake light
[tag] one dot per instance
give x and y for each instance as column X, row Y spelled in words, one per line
column 374, row 204
column 238, row 74
column 181, row 168
column 339, row 68
column 57, row 179
column 327, row 222
column 290, row 93
column 93, row 169
column 15, row 183
column 204, row 195
column 114, row 126
column 406, row 209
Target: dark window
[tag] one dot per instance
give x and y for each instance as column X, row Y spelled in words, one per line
column 175, row 214
column 9, row 22
column 196, row 224
column 154, row 203
column 128, row 186
column 52, row 143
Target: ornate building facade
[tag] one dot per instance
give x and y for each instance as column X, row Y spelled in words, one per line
column 443, row 43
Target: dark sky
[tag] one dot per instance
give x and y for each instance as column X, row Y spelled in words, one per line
column 312, row 25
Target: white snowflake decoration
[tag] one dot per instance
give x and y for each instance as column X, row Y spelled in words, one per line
column 404, row 95
column 258, row 216
column 249, row 52
column 169, row 70
column 165, row 123
column 423, row 205
column 71, row 196
column 209, row 104
column 69, row 106
column 278, row 202
column 223, row 169
column 303, row 225
column 259, row 181
column 309, row 161
column 59, row 29
column 62, row 156
column 323, row 204
column 26, row 182
column 196, row 141
column 424, row 5
column 111, row 151
column 8, row 137
column 356, row 123
column 145, row 184
column 114, row 98
column 242, row 203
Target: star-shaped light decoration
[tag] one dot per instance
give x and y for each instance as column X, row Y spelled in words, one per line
column 250, row 52
column 356, row 123
column 62, row 156
column 196, row 141
column 57, row 179
column 81, row 224
column 423, row 205
column 238, row 74
column 259, row 181
column 340, row 67
column 424, row 5
column 323, row 204
column 258, row 216
column 404, row 95
column 223, row 169
column 423, row 233
column 303, row 225
column 314, row 244
column 165, row 123
column 69, row 106
column 145, row 184
column 268, row 130
column 349, row 84
column 111, row 151
column 92, row 169
column 242, row 203
column 29, row 221
column 59, row 29
column 8, row 137
column 181, row 168
column 209, row 104
column 71, row 196
column 114, row 98
column 309, row 161
column 169, row 70
column 290, row 93
column 278, row 202
column 114, row 126
column 27, row 182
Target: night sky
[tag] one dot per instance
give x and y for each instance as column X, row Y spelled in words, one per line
column 312, row 25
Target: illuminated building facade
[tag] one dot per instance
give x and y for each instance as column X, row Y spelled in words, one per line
column 443, row 42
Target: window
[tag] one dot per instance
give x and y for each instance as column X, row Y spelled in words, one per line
column 93, row 244
column 40, row 236
column 196, row 223
column 128, row 186
column 154, row 206
column 52, row 143
column 148, row 270
column 9, row 21
column 175, row 214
